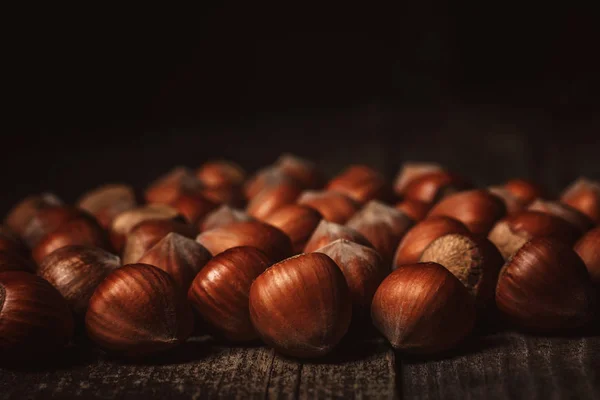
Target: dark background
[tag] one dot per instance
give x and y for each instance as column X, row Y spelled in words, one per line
column 505, row 90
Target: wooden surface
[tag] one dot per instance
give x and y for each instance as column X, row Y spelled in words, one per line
column 487, row 146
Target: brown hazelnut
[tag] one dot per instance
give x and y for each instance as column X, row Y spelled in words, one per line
column 361, row 184
column 545, row 287
column 270, row 240
column 80, row 231
column 431, row 187
column 363, row 269
column 230, row 195
column 588, row 248
column 474, row 260
column 383, row 226
column 297, row 221
column 575, row 217
column 273, row 196
column 179, row 256
column 584, row 195
column 76, row 271
column 147, row 233
column 511, row 233
column 333, row 206
column 477, row 209
column 419, row 236
column 127, row 220
column 301, row 306
column 10, row 242
column 423, row 308
column 222, row 216
column 35, row 320
column 266, row 177
column 138, row 310
column 11, row 261
column 173, row 184
column 108, row 201
column 410, row 171
column 513, row 204
column 328, row 232
column 415, row 210
column 220, row 292
column 524, row 190
column 302, row 170
column 47, row 220
column 220, row 173
column 21, row 214
column 193, row 206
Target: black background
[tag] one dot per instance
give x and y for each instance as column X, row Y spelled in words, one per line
column 500, row 89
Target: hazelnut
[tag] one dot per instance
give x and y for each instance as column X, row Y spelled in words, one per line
column 193, row 206
column 108, row 201
column 415, row 210
column 270, row 240
column 173, row 184
column 297, row 221
column 383, row 226
column 138, row 310
column 266, row 177
column 588, row 248
column 220, row 173
column 524, row 190
column 35, row 320
column 76, row 271
column 328, row 232
column 333, row 206
column 48, row 220
column 575, row 217
column 361, row 184
column 231, row 195
column 584, row 195
column 127, row 220
column 21, row 214
column 302, row 170
column 80, row 231
column 410, row 171
column 147, row 233
column 545, row 287
column 11, row 243
column 423, row 308
column 301, row 306
column 11, row 261
column 474, row 260
column 222, row 216
column 431, row 187
column 273, row 196
column 477, row 209
column 512, row 203
column 511, row 233
column 220, row 292
column 363, row 269
column 179, row 256
column 419, row 236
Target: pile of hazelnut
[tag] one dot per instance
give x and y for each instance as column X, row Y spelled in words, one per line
column 289, row 258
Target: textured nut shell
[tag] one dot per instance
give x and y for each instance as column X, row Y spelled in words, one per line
column 383, row 226
column 304, row 171
column 297, row 221
column 138, row 310
column 48, row 220
column 524, row 190
column 588, row 248
column 19, row 216
column 328, row 232
column 361, row 184
column 171, row 185
column 219, row 173
column 333, row 206
column 193, row 206
column 423, row 308
column 363, row 269
column 222, row 216
column 179, row 256
column 34, row 318
column 220, row 292
column 301, row 306
column 410, row 171
column 584, row 195
column 270, row 240
column 545, row 287
column 272, row 197
column 431, row 187
column 477, row 209
column 419, row 236
column 573, row 216
column 108, row 201
column 512, row 203
column 76, row 271
column 263, row 178
column 415, row 210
